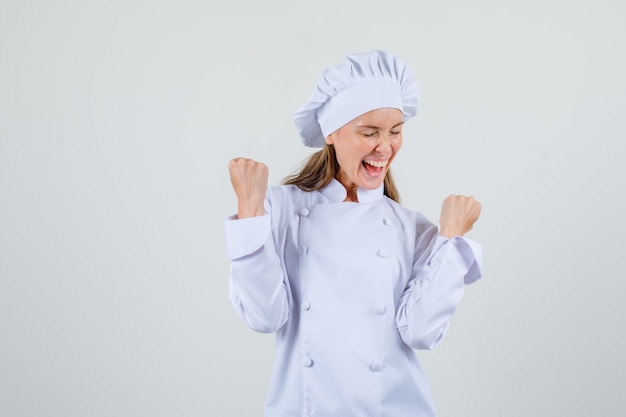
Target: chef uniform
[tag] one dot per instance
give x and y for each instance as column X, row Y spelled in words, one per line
column 350, row 290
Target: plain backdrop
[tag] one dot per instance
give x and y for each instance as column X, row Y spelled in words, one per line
column 118, row 119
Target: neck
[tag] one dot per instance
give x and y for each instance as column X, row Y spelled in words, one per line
column 351, row 194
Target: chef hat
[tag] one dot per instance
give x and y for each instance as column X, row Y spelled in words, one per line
column 361, row 83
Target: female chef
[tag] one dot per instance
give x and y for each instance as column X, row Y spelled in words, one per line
column 350, row 281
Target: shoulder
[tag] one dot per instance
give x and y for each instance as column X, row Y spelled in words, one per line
column 409, row 218
column 280, row 193
column 281, row 198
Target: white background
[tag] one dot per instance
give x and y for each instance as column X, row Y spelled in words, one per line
column 117, row 121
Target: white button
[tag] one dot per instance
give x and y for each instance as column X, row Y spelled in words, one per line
column 306, row 305
column 304, row 212
column 383, row 253
column 376, row 367
column 308, row 362
column 387, row 221
column 302, row 250
column 380, row 310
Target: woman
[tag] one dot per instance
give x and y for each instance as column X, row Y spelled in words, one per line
column 350, row 281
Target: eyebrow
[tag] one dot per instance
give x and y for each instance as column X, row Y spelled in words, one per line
column 378, row 127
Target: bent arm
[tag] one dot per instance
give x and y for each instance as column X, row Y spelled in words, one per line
column 257, row 287
column 436, row 288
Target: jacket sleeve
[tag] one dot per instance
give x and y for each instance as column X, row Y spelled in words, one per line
column 257, row 287
column 441, row 270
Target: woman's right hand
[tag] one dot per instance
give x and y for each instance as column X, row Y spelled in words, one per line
column 458, row 215
column 249, row 179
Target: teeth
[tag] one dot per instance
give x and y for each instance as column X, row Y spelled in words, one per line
column 378, row 164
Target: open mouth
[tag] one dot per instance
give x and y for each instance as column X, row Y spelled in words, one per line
column 374, row 167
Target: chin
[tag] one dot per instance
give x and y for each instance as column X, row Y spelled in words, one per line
column 369, row 185
column 372, row 183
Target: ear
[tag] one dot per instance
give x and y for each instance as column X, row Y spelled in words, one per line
column 330, row 139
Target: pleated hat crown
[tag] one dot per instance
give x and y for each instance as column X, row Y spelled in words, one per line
column 360, row 83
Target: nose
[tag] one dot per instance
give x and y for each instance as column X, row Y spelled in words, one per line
column 384, row 144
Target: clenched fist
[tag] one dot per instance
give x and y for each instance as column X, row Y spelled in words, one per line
column 249, row 179
column 458, row 215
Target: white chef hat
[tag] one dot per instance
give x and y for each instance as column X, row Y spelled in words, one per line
column 361, row 83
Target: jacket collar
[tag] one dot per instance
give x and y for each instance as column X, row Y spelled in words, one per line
column 336, row 193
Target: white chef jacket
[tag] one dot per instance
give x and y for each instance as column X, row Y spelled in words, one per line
column 350, row 289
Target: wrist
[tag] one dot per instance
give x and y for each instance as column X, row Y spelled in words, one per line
column 450, row 233
column 245, row 211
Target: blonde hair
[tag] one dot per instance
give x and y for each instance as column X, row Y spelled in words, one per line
column 320, row 169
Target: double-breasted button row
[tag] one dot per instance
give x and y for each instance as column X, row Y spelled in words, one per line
column 380, row 310
column 374, row 366
column 303, row 250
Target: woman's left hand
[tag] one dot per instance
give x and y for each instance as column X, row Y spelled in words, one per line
column 458, row 215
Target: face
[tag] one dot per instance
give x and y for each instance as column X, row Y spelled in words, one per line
column 365, row 148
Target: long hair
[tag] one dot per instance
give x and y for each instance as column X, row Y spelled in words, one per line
column 320, row 169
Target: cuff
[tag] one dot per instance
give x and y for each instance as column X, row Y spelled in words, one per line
column 471, row 252
column 245, row 236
